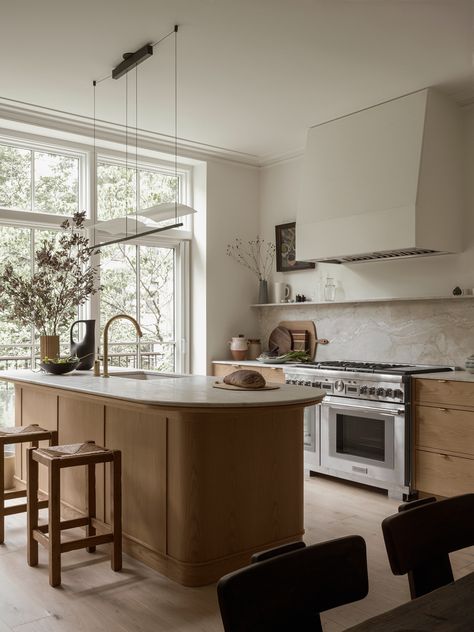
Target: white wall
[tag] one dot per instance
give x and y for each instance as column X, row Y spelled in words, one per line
column 426, row 276
column 434, row 332
column 221, row 289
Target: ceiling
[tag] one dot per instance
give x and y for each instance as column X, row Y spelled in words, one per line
column 253, row 74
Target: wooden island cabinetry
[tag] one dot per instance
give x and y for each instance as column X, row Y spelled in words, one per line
column 444, row 436
column 209, row 476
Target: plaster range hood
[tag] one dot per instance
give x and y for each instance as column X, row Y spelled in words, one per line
column 383, row 183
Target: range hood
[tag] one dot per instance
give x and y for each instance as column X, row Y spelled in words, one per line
column 383, row 183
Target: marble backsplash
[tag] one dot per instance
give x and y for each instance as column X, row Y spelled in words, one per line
column 419, row 331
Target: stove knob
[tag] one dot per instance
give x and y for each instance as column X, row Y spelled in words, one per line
column 363, row 390
column 380, row 392
column 372, row 390
column 308, row 383
column 287, row 381
column 316, row 384
column 300, row 382
column 339, row 385
column 398, row 393
column 389, row 392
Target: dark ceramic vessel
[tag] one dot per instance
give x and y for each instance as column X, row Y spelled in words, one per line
column 85, row 349
column 59, row 369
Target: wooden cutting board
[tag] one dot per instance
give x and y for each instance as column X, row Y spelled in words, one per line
column 310, row 327
column 280, row 340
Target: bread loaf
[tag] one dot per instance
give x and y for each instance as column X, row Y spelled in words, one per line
column 245, row 379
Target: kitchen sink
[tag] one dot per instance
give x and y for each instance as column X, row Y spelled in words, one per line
column 143, row 376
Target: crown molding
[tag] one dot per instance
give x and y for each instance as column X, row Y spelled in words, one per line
column 83, row 127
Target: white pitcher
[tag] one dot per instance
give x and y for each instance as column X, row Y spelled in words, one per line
column 281, row 292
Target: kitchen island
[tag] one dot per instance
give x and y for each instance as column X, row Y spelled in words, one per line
column 209, row 476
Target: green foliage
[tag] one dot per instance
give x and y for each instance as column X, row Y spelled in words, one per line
column 63, row 279
column 15, row 177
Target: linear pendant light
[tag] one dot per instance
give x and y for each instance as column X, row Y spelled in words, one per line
column 144, row 219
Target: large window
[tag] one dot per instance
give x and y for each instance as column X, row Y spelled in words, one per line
column 39, row 185
column 38, row 181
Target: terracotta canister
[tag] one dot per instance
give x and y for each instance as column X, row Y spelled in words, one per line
column 239, row 347
column 254, row 349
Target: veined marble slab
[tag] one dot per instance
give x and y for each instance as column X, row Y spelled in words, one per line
column 412, row 332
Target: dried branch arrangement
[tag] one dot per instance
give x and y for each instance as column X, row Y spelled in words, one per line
column 256, row 255
column 62, row 280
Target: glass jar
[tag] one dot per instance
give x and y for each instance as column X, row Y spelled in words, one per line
column 329, row 289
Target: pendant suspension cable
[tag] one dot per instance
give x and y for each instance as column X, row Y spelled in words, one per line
column 137, row 186
column 176, row 123
column 94, row 161
column 126, row 156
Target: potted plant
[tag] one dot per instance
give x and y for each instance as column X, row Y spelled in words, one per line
column 63, row 279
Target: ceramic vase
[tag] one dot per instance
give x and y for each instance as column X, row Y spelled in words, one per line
column 85, row 349
column 49, row 347
column 263, row 291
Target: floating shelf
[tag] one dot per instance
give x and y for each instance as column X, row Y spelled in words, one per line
column 368, row 300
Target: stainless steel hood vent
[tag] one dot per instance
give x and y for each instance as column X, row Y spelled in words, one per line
column 393, row 254
column 383, row 183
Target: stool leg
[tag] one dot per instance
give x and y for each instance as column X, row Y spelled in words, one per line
column 32, row 506
column 90, row 502
column 54, row 528
column 2, row 493
column 116, row 476
column 54, row 438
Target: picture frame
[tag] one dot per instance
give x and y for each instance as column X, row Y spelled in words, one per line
column 285, row 240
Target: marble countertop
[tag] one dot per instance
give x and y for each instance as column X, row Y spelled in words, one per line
column 165, row 390
column 453, row 376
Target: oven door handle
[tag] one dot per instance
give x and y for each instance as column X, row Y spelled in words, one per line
column 372, row 409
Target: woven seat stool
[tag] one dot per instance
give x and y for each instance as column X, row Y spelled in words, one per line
column 11, row 436
column 55, row 459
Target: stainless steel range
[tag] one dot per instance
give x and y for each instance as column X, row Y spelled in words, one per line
column 362, row 430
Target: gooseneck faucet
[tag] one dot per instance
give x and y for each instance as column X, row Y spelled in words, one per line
column 106, row 338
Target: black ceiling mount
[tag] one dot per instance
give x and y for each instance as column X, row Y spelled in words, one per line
column 131, row 60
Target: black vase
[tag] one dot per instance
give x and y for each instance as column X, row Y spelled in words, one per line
column 84, row 350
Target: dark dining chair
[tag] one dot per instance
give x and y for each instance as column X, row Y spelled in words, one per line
column 421, row 536
column 285, row 589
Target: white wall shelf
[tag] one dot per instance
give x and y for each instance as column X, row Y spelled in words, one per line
column 368, row 300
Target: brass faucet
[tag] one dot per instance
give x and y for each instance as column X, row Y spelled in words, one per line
column 106, row 338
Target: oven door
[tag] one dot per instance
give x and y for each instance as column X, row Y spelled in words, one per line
column 364, row 439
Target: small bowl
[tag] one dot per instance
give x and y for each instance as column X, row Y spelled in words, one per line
column 59, row 369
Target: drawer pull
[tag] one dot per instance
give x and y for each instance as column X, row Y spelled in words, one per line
column 442, row 454
column 441, row 381
column 443, row 410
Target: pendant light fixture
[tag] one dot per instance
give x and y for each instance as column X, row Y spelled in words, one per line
column 144, row 220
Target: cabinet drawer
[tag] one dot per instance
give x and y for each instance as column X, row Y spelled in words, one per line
column 444, row 429
column 220, row 370
column 444, row 392
column 271, row 374
column 443, row 475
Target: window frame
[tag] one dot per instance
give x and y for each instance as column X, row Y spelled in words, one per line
column 176, row 238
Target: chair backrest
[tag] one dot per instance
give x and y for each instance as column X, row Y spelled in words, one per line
column 419, row 539
column 288, row 591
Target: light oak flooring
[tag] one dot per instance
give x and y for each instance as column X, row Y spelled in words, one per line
column 93, row 598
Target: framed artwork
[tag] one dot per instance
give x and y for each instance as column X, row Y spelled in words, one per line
column 285, row 238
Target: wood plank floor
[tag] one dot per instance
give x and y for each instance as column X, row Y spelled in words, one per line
column 93, row 598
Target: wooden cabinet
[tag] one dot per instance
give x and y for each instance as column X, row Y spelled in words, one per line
column 270, row 373
column 444, row 437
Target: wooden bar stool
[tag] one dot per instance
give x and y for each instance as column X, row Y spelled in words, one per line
column 56, row 458
column 10, row 436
